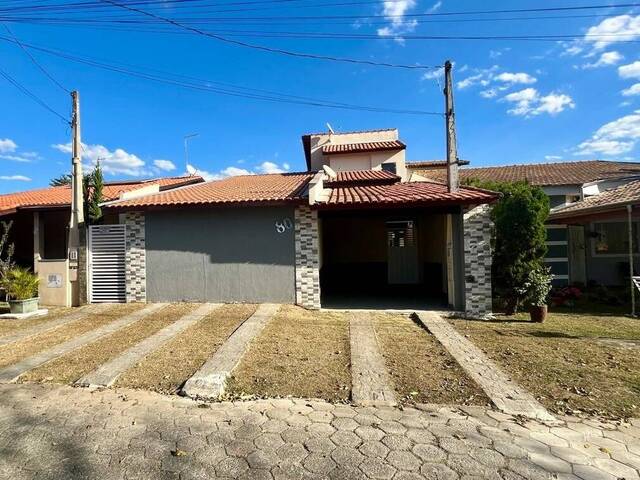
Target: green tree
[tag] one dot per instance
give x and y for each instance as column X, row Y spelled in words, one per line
column 519, row 243
column 6, row 250
column 93, row 195
column 64, row 179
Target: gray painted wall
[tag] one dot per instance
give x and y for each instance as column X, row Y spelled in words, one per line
column 220, row 255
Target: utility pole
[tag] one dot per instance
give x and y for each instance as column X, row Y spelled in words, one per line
column 186, row 148
column 77, row 234
column 450, row 122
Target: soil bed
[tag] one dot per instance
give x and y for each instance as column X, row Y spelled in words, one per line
column 166, row 369
column 14, row 352
column 571, row 363
column 299, row 353
column 71, row 367
column 11, row 326
column 421, row 369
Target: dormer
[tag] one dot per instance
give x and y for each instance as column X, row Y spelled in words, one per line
column 353, row 151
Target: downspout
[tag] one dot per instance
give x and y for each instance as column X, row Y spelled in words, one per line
column 631, row 282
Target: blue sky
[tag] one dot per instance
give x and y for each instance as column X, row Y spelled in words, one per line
column 516, row 101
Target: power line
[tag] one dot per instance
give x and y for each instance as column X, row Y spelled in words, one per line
column 35, row 62
column 32, row 95
column 222, row 88
column 271, row 49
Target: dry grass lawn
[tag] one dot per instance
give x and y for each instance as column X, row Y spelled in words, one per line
column 71, row 367
column 299, row 353
column 14, row 352
column 9, row 327
column 421, row 369
column 571, row 362
column 166, row 369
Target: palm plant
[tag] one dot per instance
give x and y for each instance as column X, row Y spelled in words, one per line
column 20, row 284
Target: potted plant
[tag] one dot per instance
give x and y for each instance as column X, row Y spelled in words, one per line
column 22, row 289
column 538, row 286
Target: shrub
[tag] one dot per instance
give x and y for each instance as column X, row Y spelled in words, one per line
column 20, row 284
column 519, row 237
column 537, row 287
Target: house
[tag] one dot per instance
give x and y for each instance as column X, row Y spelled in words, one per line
column 352, row 231
column 41, row 221
column 584, row 248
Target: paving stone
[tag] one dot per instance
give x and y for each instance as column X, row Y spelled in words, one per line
column 232, row 467
column 347, row 456
column 550, row 463
column 429, row 453
column 262, row 459
column 344, row 438
column 586, row 472
column 376, row 468
column 344, row 423
column 292, row 452
column 319, row 463
column 616, row 468
column 269, row 441
column 397, row 442
column 374, row 449
column 403, row 460
column 369, row 433
column 435, row 471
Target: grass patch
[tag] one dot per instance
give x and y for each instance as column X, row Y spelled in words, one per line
column 299, row 353
column 9, row 327
column 568, row 362
column 166, row 369
column 14, row 352
column 420, row 367
column 74, row 365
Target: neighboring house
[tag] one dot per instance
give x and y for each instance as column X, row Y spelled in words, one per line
column 351, row 231
column 41, row 217
column 573, row 254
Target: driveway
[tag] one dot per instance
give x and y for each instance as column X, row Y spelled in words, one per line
column 49, row 431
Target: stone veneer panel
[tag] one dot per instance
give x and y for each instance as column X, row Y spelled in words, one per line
column 477, row 227
column 307, row 257
column 136, row 268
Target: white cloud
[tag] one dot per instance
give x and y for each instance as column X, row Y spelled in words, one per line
column 18, row 178
column 435, row 7
column 490, row 93
column 529, row 102
column 395, row 11
column 434, row 74
column 232, row 171
column 512, row 78
column 606, row 59
column 632, row 91
column 552, row 158
column 16, row 158
column 614, row 138
column 621, row 28
column 166, row 165
column 7, row 145
column 116, row 162
column 630, row 71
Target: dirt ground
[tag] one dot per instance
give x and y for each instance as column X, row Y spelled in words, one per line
column 14, row 352
column 71, row 367
column 299, row 353
column 166, row 369
column 571, row 363
column 9, row 327
column 421, row 369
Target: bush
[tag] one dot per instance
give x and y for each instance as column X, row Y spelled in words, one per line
column 519, row 241
column 20, row 284
column 537, row 287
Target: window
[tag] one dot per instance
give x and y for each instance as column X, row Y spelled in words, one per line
column 612, row 238
column 389, row 167
column 400, row 234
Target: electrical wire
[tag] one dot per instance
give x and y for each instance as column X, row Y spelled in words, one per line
column 33, row 96
column 35, row 62
column 221, row 88
column 271, row 49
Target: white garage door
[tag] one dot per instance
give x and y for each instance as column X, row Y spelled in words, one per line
column 107, row 251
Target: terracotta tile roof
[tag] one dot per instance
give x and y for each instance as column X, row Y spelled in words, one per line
column 433, row 164
column 61, row 196
column 543, row 174
column 618, row 197
column 362, row 177
column 408, row 193
column 246, row 189
column 334, row 149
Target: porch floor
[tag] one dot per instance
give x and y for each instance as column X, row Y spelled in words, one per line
column 395, row 301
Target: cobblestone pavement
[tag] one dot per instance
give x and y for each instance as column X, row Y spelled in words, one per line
column 65, row 433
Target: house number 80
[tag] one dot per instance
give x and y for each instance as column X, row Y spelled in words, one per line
column 283, row 225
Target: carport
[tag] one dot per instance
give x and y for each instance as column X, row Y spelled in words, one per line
column 390, row 258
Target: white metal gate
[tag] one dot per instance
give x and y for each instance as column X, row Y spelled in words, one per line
column 107, row 263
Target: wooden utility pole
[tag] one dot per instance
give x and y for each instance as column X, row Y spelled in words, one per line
column 450, row 122
column 77, row 234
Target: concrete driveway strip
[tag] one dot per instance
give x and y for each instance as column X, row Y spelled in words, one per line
column 209, row 381
column 503, row 391
column 77, row 314
column 369, row 377
column 12, row 372
column 108, row 373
